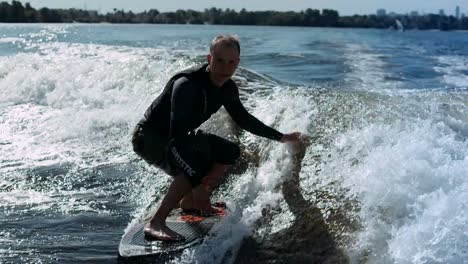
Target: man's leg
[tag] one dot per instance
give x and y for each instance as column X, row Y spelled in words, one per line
column 211, row 179
column 157, row 227
column 213, row 176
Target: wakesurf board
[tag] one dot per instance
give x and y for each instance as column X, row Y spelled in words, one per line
column 191, row 224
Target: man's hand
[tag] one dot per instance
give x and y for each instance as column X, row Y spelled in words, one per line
column 294, row 137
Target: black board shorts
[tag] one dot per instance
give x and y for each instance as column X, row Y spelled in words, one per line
column 193, row 155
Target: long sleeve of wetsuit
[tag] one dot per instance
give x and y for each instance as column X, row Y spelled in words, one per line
column 184, row 117
column 244, row 119
column 184, row 102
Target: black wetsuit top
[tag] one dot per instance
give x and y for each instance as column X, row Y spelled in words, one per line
column 189, row 99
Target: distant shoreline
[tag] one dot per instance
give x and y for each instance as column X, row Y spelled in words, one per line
column 17, row 13
column 149, row 24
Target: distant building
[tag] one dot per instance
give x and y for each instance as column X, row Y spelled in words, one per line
column 441, row 12
column 392, row 14
column 457, row 12
column 381, row 12
column 414, row 13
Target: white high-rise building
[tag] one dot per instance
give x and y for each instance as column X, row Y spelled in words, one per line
column 381, row 12
column 441, row 12
column 457, row 12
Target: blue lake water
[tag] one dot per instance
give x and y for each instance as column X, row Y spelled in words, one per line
column 387, row 167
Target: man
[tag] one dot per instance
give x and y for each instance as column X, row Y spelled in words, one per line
column 166, row 136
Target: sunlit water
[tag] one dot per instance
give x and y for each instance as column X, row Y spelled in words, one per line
column 384, row 179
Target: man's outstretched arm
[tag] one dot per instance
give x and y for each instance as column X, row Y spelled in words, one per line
column 250, row 123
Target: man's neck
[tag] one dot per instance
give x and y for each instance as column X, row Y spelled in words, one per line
column 214, row 82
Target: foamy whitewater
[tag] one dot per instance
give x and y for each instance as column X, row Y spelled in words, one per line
column 384, row 178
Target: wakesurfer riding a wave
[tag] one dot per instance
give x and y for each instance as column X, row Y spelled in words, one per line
column 166, row 136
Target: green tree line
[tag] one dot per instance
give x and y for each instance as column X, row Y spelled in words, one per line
column 15, row 12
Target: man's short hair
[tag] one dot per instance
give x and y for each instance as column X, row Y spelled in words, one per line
column 226, row 41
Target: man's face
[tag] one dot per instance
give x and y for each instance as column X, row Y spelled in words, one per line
column 223, row 63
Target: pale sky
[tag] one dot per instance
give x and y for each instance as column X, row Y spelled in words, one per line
column 344, row 7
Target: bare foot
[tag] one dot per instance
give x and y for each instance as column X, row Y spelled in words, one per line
column 161, row 232
column 206, row 210
column 186, row 203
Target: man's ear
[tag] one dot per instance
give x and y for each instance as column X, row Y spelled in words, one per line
column 208, row 58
